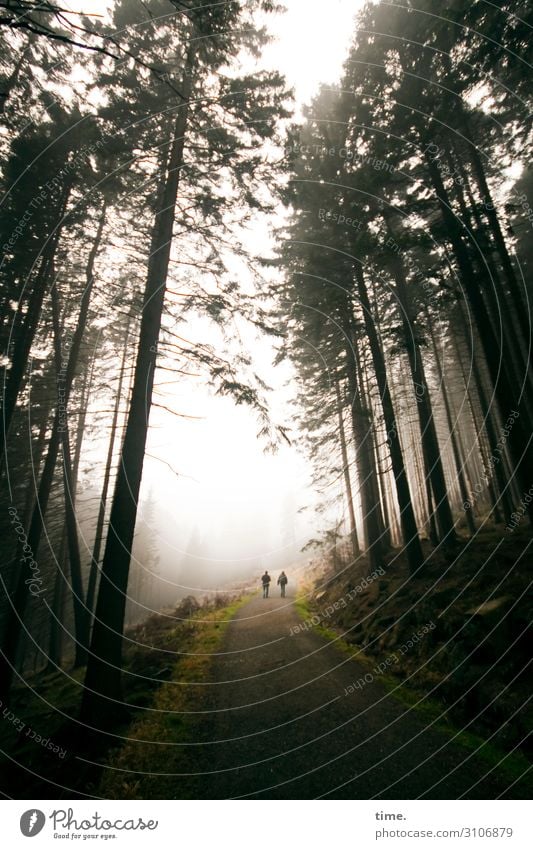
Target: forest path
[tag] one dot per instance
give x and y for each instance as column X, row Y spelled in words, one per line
column 286, row 729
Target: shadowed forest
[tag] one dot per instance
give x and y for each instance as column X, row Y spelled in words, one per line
column 349, row 276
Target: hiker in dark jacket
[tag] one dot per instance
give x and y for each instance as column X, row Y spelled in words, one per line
column 265, row 580
column 283, row 581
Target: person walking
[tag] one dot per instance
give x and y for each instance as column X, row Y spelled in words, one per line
column 265, row 580
column 283, row 581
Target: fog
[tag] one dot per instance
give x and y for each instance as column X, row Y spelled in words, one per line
column 231, row 510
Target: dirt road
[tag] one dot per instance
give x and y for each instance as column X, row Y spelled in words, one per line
column 287, row 726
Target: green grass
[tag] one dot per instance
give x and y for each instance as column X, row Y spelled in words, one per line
column 301, row 604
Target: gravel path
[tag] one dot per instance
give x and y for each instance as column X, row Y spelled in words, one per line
column 286, row 728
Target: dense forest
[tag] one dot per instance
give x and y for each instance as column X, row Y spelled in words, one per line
column 142, row 151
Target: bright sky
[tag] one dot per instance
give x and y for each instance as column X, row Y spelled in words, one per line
column 312, row 40
column 235, row 495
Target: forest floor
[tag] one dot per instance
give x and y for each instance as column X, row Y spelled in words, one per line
column 393, row 686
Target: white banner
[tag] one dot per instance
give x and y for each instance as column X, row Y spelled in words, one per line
column 264, row 824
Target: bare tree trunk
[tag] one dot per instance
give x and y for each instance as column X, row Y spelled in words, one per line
column 376, row 475
column 27, row 327
column 520, row 437
column 85, row 394
column 522, row 313
column 81, row 614
column 503, row 481
column 346, row 472
column 36, row 459
column 11, row 81
column 102, row 693
column 15, row 618
column 504, row 319
column 98, row 537
column 380, row 474
column 479, row 437
column 411, row 540
column 428, row 432
column 361, row 432
column 467, row 504
column 55, row 644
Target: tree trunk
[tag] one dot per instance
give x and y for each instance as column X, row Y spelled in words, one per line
column 520, row 436
column 488, row 423
column 102, row 693
column 356, row 552
column 363, row 448
column 28, row 326
column 55, row 643
column 11, row 81
column 85, row 394
column 522, row 313
column 366, row 402
column 99, row 533
column 428, row 430
column 495, row 295
column 36, row 460
column 467, row 504
column 15, row 618
column 81, row 614
column 407, row 517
